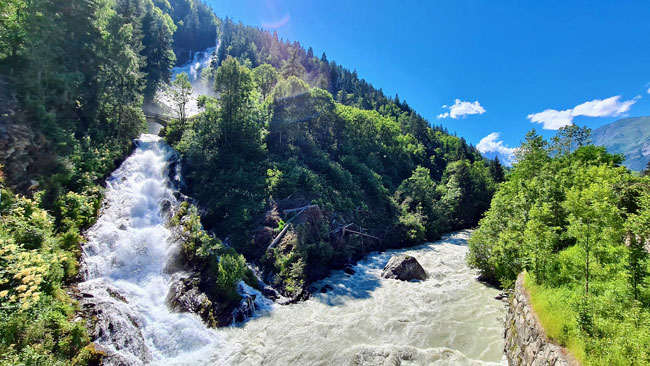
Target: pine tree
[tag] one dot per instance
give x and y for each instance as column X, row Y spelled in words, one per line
column 496, row 170
column 293, row 66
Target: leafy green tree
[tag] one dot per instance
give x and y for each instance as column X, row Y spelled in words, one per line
column 638, row 227
column 231, row 270
column 569, row 138
column 121, row 83
column 265, row 76
column 593, row 218
column 540, row 237
column 181, row 95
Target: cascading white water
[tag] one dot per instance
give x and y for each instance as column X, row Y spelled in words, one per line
column 193, row 69
column 127, row 266
column 363, row 319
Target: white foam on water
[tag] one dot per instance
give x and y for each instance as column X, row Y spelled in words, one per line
column 448, row 319
column 127, row 251
column 193, row 69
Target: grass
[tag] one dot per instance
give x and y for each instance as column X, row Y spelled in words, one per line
column 557, row 316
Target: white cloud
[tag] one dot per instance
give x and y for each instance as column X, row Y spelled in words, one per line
column 603, row 107
column 489, row 143
column 648, row 90
column 462, row 109
column 552, row 119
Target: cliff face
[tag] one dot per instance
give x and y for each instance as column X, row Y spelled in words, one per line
column 526, row 342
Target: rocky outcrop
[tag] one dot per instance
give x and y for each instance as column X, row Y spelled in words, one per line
column 112, row 322
column 405, row 268
column 245, row 310
column 526, row 342
column 184, row 296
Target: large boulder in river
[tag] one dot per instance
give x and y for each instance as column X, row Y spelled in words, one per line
column 405, row 268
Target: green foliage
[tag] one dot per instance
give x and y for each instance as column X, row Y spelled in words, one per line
column 231, row 270
column 36, row 315
column 265, row 76
column 197, row 26
column 79, row 71
column 576, row 221
column 353, row 163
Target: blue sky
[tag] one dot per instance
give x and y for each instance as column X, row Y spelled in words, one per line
column 495, row 65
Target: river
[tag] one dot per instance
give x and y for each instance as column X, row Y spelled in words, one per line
column 362, row 319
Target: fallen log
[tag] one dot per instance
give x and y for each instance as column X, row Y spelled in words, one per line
column 277, row 238
column 360, row 233
column 298, row 209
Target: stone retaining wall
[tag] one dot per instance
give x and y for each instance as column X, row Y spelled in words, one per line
column 526, row 343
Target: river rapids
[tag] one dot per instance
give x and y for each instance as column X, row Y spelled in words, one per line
column 352, row 319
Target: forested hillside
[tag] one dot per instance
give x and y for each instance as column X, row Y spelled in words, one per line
column 288, row 131
column 363, row 164
column 578, row 222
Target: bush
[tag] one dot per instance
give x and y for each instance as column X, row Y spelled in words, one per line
column 232, row 269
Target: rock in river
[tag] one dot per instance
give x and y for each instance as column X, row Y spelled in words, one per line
column 405, row 268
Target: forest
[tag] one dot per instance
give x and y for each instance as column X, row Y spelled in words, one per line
column 288, row 129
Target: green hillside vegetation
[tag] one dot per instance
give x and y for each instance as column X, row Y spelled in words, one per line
column 73, row 77
column 630, row 137
column 246, row 155
column 577, row 221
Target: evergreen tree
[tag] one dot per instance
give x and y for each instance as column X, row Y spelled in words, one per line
column 496, row 170
column 293, row 66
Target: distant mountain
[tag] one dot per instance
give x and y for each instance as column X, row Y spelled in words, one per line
column 628, row 136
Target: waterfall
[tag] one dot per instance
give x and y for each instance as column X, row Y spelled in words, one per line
column 128, row 262
column 193, row 69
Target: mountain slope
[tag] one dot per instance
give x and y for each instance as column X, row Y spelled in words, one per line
column 629, row 136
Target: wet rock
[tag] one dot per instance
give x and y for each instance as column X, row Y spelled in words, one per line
column 326, row 288
column 349, row 270
column 270, row 293
column 115, row 324
column 296, row 297
column 488, row 280
column 184, row 296
column 245, row 310
column 116, row 295
column 405, row 268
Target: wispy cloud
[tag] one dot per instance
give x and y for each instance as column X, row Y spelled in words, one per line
column 275, row 24
column 491, row 143
column 552, row 119
column 462, row 109
column 648, row 90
